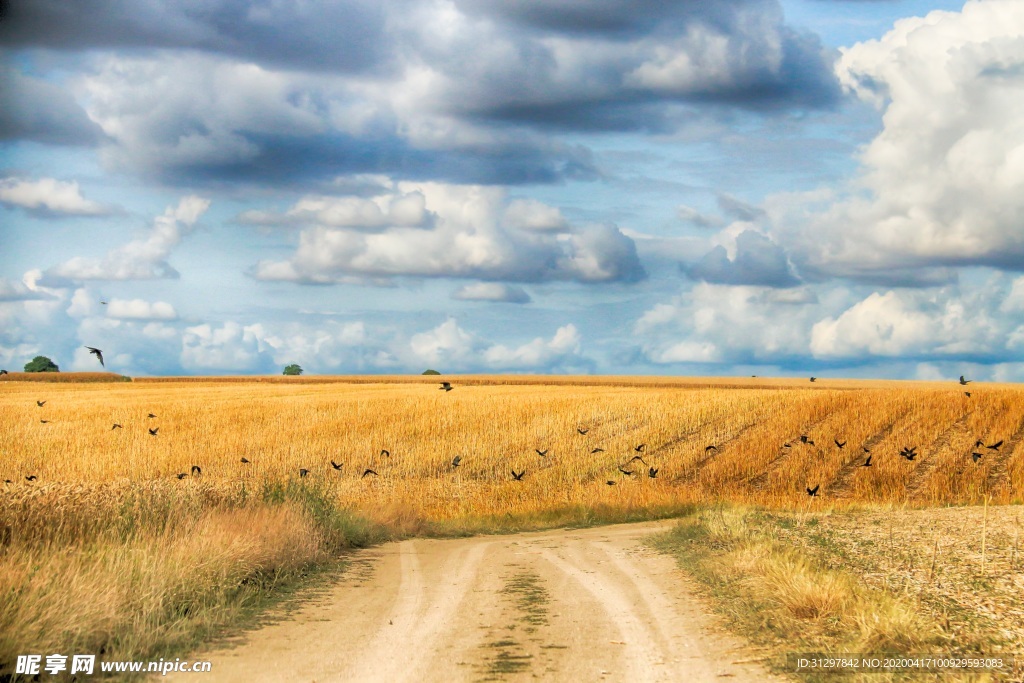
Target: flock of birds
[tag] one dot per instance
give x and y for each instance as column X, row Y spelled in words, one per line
column 909, row 453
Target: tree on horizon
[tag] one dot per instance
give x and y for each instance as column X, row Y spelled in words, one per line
column 293, row 369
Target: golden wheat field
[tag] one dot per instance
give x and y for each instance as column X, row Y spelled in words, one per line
column 108, row 550
column 495, row 427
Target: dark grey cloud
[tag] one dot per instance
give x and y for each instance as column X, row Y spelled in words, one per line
column 316, row 35
column 758, row 261
column 34, row 109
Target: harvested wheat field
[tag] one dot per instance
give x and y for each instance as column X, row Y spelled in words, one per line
column 140, row 499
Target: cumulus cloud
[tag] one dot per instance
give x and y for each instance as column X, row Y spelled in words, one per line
column 451, row 347
column 11, row 291
column 940, row 185
column 48, row 196
column 372, row 214
column 138, row 309
column 468, row 238
column 491, row 291
column 758, row 261
column 144, row 258
column 230, row 347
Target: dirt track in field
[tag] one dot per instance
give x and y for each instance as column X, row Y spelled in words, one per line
column 564, row 605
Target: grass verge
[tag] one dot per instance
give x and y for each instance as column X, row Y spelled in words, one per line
column 805, row 597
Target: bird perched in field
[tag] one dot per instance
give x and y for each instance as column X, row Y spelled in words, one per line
column 40, row 403
column 597, row 450
column 116, row 426
column 786, row 445
column 445, row 386
column 814, row 379
column 197, row 470
column 336, row 465
column 640, row 448
column 368, row 471
column 868, row 450
column 628, row 473
column 31, row 477
column 518, row 477
column 45, row 422
column 710, row 448
column 151, row 415
column 841, row 445
column 965, row 382
column 976, row 456
column 610, row 482
column 995, row 446
column 245, row 460
column 152, row 432
column 181, row 475
column 303, row 472
column 814, row 491
column 967, row 394
column 385, row 452
column 582, row 431
column 97, row 353
column 804, row 438
column 542, row 453
column 456, row 461
column 652, row 473
column 867, row 463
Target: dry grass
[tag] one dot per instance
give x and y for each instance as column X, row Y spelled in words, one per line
column 108, row 518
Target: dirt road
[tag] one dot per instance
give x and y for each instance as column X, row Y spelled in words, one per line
column 579, row 605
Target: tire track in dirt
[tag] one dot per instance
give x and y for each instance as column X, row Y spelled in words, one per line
column 929, row 459
column 842, row 485
column 998, row 471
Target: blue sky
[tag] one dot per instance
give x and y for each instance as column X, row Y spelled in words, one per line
column 771, row 187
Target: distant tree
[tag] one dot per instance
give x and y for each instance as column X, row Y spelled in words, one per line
column 431, row 372
column 293, row 369
column 41, row 364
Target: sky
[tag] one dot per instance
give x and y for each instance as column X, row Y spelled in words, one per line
column 769, row 187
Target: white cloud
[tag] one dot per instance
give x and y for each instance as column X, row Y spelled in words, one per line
column 467, row 240
column 144, row 258
column 491, row 291
column 138, row 309
column 394, row 210
column 230, row 347
column 445, row 345
column 48, row 195
column 941, row 183
column 537, row 354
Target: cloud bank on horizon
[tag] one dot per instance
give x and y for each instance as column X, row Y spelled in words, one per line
column 530, row 186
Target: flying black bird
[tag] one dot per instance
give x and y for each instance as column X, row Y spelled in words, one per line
column 97, row 353
column 640, row 447
column 841, row 445
column 582, row 431
column 967, row 394
column 976, row 456
column 446, row 386
column 8, row 481
column 303, row 472
column 3, row 372
column 181, row 475
column 868, row 450
column 814, row 491
column 336, row 465
column 814, row 379
column 151, row 415
column 518, row 477
column 610, row 482
column 710, row 448
column 31, row 477
column 197, row 470
column 45, row 422
column 456, row 461
column 995, row 446
column 867, row 463
column 368, row 471
column 597, row 450
column 635, row 458
column 804, row 438
column 628, row 473
column 786, row 445
column 245, row 460
column 542, row 453
column 965, row 382
column 116, row 426
column 979, row 442
column 152, row 432
column 652, row 473
column 909, row 453
column 385, row 452
column 40, row 403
